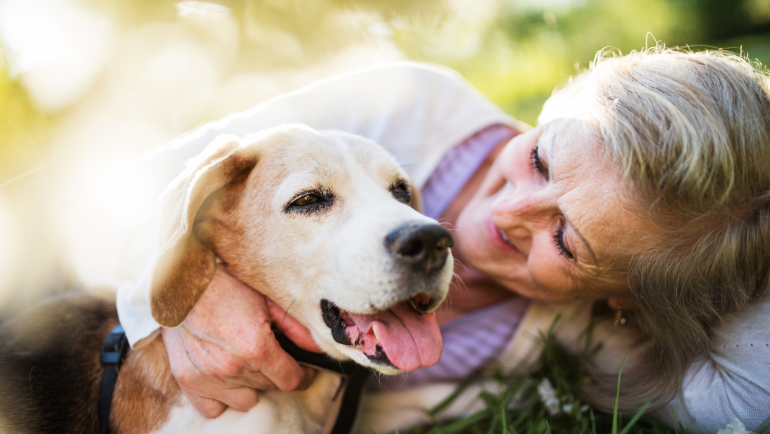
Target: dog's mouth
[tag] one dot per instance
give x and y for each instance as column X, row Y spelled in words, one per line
column 404, row 336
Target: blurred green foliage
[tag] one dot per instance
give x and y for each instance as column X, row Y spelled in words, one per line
column 515, row 55
column 533, row 46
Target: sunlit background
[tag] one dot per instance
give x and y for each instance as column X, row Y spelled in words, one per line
column 86, row 83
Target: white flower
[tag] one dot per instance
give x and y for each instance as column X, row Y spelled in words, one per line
column 734, row 427
column 583, row 409
column 545, row 390
column 567, row 408
column 552, row 405
column 548, row 396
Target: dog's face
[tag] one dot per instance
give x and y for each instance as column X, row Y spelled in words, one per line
column 323, row 224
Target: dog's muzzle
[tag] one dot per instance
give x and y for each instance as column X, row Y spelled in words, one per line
column 402, row 334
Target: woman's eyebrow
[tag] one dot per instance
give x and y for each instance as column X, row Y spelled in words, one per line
column 574, row 228
column 583, row 239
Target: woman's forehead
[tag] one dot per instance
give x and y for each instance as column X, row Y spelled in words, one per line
column 592, row 196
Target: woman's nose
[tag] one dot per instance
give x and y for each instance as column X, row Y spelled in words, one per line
column 524, row 205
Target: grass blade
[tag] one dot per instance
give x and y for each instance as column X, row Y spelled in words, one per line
column 617, row 400
column 441, row 406
column 504, row 419
column 673, row 418
column 635, row 418
column 461, row 424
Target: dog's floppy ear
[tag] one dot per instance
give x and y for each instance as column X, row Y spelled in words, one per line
column 184, row 267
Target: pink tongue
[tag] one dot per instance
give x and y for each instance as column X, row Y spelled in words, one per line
column 410, row 340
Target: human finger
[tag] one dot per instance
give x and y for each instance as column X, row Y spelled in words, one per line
column 281, row 368
column 252, row 379
column 293, row 329
column 238, row 398
column 206, row 406
column 195, row 381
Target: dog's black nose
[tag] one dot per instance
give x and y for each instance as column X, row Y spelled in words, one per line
column 424, row 246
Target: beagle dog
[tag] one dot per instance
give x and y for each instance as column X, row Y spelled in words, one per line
column 324, row 223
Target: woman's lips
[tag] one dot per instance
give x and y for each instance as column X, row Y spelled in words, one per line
column 499, row 238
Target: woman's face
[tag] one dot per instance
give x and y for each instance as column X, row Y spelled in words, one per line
column 548, row 222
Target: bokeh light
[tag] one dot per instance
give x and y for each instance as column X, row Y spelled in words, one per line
column 86, row 85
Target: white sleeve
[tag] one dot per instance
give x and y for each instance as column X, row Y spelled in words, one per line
column 415, row 111
column 733, row 381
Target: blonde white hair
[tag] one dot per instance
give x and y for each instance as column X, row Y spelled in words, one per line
column 689, row 133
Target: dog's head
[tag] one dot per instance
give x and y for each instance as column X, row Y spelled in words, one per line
column 324, row 223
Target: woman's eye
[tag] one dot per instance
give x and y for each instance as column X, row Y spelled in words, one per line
column 306, row 200
column 401, row 192
column 537, row 164
column 561, row 246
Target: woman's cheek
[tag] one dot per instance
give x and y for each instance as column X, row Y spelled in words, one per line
column 471, row 240
column 549, row 275
column 493, row 182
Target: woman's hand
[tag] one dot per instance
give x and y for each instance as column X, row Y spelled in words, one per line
column 225, row 350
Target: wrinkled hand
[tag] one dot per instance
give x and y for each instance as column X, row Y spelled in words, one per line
column 225, row 350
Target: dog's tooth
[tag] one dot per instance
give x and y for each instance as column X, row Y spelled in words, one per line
column 375, row 334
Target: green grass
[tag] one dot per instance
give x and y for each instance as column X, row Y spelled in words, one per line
column 520, row 409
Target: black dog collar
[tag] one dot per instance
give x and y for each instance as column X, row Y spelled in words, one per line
column 114, row 350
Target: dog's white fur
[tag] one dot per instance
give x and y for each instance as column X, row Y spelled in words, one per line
column 309, row 411
column 233, row 202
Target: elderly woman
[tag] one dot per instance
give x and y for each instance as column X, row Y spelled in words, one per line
column 646, row 187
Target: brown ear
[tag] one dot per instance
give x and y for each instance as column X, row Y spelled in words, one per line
column 184, row 267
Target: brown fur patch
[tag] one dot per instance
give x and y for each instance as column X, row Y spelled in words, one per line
column 145, row 392
column 181, row 276
column 49, row 366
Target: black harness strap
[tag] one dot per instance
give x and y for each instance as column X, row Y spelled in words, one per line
column 114, row 351
column 316, row 360
column 115, row 348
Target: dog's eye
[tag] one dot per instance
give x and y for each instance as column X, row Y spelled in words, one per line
column 401, row 192
column 311, row 202
column 306, row 200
